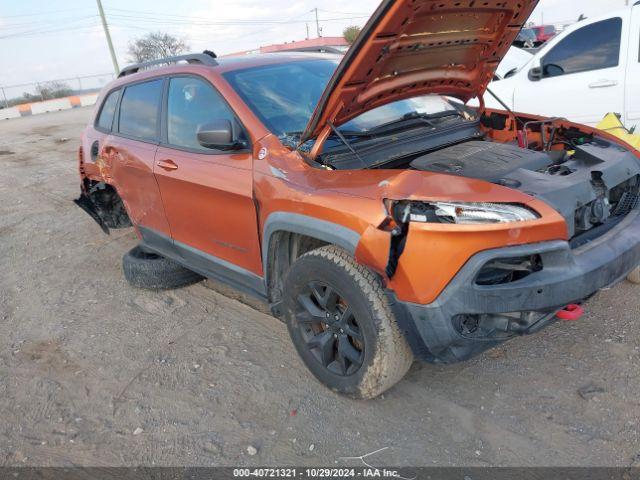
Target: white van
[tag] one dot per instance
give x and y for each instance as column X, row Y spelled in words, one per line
column 590, row 69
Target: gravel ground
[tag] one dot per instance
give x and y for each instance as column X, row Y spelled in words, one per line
column 95, row 372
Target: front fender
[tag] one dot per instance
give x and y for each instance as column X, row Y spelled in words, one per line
column 306, row 225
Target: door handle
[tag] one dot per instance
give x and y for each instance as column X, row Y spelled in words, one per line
column 603, row 84
column 167, row 165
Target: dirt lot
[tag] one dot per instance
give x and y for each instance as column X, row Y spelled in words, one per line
column 95, row 372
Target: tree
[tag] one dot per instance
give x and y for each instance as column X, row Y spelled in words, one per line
column 351, row 33
column 155, row 46
column 48, row 91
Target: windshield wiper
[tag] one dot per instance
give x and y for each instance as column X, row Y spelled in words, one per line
column 346, row 142
column 409, row 120
column 413, row 118
column 296, row 135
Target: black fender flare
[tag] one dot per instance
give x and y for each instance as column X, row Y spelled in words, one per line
column 329, row 232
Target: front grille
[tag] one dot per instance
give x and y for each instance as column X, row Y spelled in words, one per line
column 601, row 216
column 628, row 202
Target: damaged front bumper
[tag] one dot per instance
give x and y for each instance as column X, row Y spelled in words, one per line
column 468, row 318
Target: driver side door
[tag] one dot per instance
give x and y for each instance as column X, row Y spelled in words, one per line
column 207, row 193
column 582, row 76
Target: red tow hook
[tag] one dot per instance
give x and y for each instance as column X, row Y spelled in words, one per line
column 571, row 313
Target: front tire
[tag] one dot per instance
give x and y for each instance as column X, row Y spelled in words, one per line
column 341, row 324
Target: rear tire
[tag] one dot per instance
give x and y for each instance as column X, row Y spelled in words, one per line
column 341, row 324
column 634, row 277
column 151, row 271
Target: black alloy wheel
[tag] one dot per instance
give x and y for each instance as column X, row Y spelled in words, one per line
column 330, row 329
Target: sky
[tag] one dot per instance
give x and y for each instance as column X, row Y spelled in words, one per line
column 42, row 40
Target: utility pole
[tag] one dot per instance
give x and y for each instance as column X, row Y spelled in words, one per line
column 6, row 102
column 307, row 25
column 108, row 35
column 317, row 22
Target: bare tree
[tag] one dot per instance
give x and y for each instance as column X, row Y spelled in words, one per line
column 351, row 33
column 154, row 46
column 49, row 90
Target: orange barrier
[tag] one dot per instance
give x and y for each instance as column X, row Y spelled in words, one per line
column 53, row 105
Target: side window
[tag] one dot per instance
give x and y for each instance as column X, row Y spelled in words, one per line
column 193, row 102
column 592, row 47
column 139, row 110
column 105, row 120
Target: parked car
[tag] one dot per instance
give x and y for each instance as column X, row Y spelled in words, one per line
column 515, row 59
column 587, row 71
column 527, row 38
column 380, row 218
column 543, row 33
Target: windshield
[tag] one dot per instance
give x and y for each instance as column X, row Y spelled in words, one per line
column 284, row 97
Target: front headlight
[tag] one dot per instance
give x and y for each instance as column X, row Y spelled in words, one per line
column 462, row 213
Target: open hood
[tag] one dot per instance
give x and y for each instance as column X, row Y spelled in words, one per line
column 410, row 48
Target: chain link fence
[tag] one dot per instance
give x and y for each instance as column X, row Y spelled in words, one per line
column 11, row 95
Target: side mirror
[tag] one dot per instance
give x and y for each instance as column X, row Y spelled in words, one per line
column 219, row 135
column 553, row 70
column 535, row 74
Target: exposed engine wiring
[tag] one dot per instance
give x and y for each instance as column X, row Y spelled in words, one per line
column 546, row 143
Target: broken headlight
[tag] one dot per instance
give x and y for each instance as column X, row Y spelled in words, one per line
column 460, row 213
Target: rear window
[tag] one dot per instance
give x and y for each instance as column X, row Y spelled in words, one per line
column 105, row 120
column 139, row 110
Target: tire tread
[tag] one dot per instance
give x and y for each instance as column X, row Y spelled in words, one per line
column 394, row 354
column 156, row 273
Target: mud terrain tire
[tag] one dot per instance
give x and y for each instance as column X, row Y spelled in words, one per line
column 154, row 272
column 384, row 355
column 634, row 277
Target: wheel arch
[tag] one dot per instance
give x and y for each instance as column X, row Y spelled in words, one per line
column 103, row 202
column 288, row 235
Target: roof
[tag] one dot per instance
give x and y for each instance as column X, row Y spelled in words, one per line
column 228, row 64
column 221, row 65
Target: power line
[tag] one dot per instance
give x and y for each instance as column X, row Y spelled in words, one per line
column 49, row 29
column 42, row 22
column 85, row 29
column 50, row 12
column 344, row 13
column 204, row 22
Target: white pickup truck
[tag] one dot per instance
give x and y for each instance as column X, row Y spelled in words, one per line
column 590, row 69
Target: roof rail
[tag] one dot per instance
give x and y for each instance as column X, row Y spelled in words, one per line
column 205, row 58
column 318, row 49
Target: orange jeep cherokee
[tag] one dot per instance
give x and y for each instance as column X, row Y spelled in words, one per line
column 377, row 213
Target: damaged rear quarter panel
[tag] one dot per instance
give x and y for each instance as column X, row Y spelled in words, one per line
column 127, row 165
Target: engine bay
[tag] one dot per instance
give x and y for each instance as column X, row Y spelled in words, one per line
column 592, row 182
